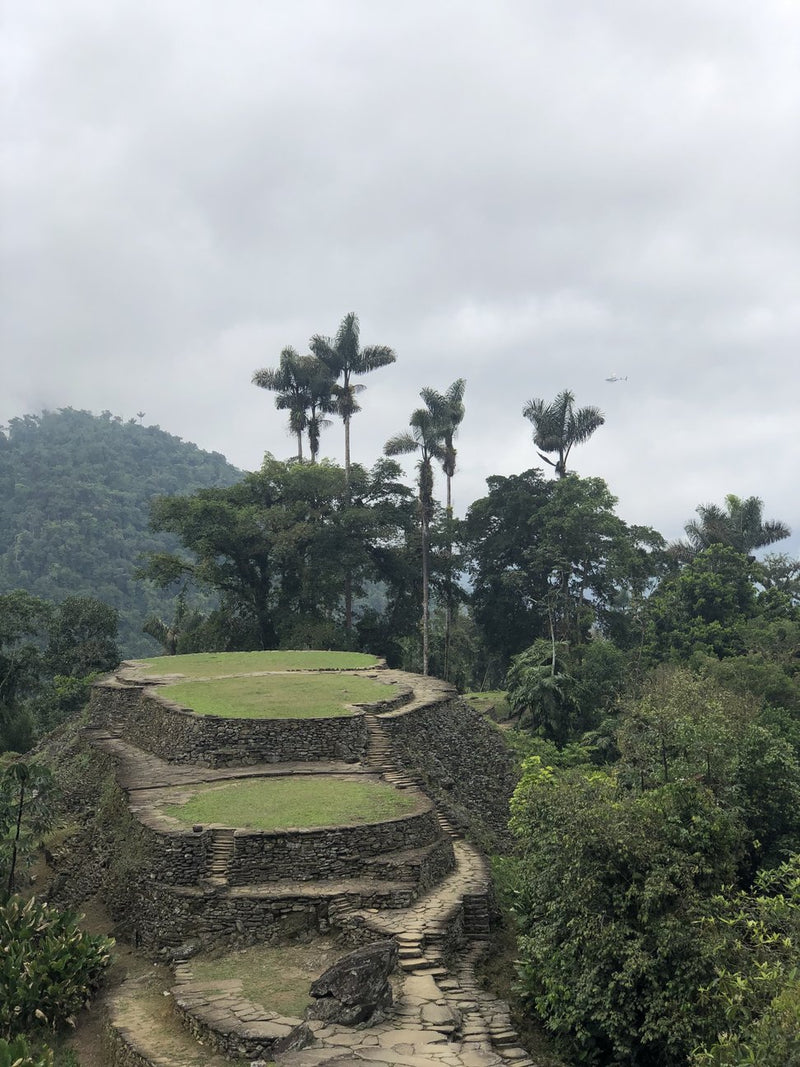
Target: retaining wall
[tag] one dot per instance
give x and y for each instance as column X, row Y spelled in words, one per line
column 176, row 734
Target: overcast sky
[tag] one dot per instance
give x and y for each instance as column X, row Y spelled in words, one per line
column 532, row 194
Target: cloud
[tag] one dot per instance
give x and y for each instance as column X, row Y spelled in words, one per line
column 533, row 197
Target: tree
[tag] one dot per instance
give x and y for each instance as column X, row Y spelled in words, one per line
column 425, row 439
column 702, row 609
column 448, row 410
column 550, row 559
column 344, row 358
column 276, row 546
column 558, row 426
column 303, row 387
column 82, row 638
column 739, row 525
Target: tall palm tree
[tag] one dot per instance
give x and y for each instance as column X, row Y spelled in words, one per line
column 344, row 358
column 425, row 439
column 739, row 523
column 302, row 385
column 558, row 426
column 448, row 410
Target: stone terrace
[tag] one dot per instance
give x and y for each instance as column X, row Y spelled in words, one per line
column 413, row 878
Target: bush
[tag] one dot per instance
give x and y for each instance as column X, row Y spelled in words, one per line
column 49, row 968
column 16, row 1053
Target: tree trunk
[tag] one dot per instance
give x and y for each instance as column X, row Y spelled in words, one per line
column 425, row 610
column 14, row 845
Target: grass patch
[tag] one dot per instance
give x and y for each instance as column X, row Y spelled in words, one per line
column 279, row 696
column 214, row 664
column 299, row 802
column 492, row 703
column 277, row 977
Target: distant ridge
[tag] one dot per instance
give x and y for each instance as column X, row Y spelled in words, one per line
column 75, row 490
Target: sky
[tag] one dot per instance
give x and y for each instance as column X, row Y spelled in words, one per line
column 530, row 194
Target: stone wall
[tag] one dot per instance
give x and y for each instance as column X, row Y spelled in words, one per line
column 325, row 854
column 463, row 762
column 177, row 735
column 163, row 917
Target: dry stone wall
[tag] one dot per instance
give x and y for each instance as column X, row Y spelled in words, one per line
column 314, row 855
column 463, row 762
column 177, row 735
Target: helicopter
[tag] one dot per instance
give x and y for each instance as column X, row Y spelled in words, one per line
column 617, row 378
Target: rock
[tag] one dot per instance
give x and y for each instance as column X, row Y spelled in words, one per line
column 356, row 990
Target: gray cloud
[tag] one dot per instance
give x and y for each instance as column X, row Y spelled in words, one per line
column 531, row 196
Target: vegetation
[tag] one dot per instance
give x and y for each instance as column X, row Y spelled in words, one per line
column 276, row 696
column 294, row 803
column 48, row 657
column 75, row 491
column 652, row 691
column 49, row 969
column 557, row 427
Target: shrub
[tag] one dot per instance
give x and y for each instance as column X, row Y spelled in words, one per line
column 16, row 1053
column 49, row 968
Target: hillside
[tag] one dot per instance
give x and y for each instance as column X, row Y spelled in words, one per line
column 75, row 490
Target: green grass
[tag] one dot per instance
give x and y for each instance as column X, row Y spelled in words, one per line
column 491, row 702
column 276, row 977
column 214, row 664
column 278, row 696
column 302, row 801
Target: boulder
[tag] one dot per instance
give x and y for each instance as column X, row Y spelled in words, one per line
column 356, row 989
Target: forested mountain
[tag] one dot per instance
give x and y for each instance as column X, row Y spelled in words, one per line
column 75, row 492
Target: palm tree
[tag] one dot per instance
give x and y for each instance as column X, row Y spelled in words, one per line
column 303, row 387
column 425, row 438
column 739, row 524
column 558, row 426
column 344, row 357
column 448, row 410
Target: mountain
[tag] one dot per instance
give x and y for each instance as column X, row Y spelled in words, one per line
column 75, row 490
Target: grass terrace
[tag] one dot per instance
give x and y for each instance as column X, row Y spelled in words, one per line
column 299, row 802
column 216, row 664
column 278, row 696
column 277, row 976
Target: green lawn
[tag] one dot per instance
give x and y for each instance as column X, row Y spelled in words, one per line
column 302, row 801
column 214, row 664
column 278, row 977
column 278, row 696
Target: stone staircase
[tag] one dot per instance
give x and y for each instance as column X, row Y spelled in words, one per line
column 223, row 847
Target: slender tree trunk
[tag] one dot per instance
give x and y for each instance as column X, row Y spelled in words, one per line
column 448, row 607
column 15, row 843
column 300, row 446
column 348, row 578
column 425, row 608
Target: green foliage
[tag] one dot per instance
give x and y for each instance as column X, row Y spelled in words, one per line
column 622, row 871
column 17, row 1053
column 27, row 794
column 74, row 509
column 752, row 937
column 49, row 968
column 703, row 609
column 607, row 890
column 276, row 546
column 562, row 692
column 551, row 559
